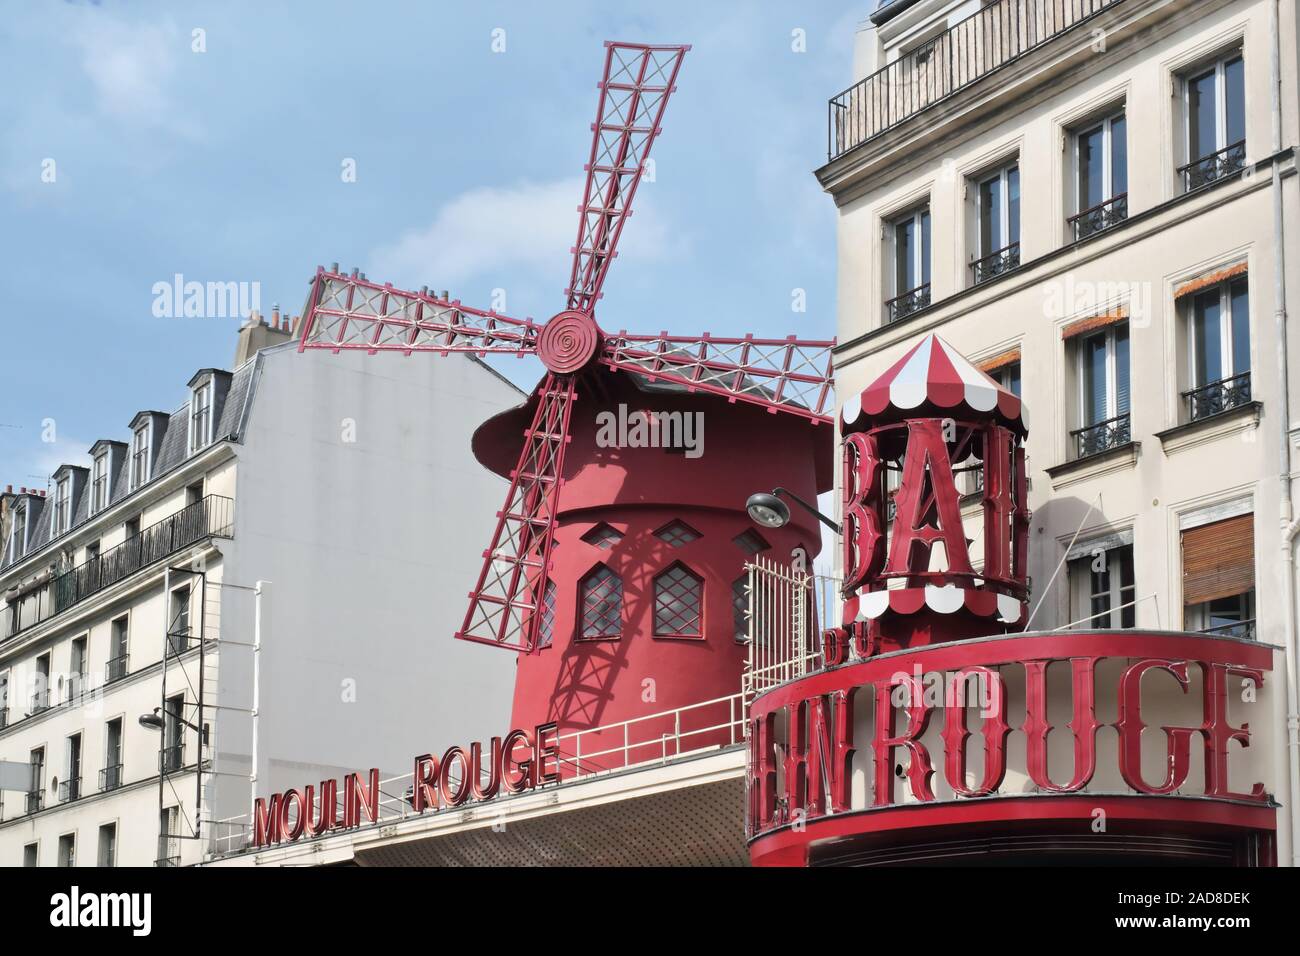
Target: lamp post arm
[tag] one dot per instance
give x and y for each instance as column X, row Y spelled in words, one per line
column 807, row 507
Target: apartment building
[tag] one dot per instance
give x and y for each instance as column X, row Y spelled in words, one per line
column 237, row 593
column 1092, row 199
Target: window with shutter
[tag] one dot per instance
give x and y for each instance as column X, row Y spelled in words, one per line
column 1219, row 576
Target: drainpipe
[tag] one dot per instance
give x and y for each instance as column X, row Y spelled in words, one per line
column 1289, row 526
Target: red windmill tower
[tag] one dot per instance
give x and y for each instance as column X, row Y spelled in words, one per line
column 611, row 570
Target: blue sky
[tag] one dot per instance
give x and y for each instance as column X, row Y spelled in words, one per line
column 226, row 165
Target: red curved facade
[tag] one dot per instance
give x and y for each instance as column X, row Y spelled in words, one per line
column 1089, row 743
column 659, row 519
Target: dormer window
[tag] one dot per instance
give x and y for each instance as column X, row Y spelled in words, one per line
column 201, row 416
column 99, row 483
column 16, row 546
column 63, row 505
column 140, row 456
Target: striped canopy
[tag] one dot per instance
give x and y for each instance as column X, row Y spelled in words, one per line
column 933, row 378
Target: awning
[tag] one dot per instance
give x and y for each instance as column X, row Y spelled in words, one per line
column 933, row 378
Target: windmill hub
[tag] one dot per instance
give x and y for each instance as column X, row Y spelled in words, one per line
column 568, row 342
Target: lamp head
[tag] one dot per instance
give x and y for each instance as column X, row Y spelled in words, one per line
column 767, row 510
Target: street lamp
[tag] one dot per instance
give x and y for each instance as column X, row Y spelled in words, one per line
column 771, row 512
column 154, row 721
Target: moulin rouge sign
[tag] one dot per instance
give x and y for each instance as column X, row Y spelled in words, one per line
column 808, row 731
column 518, row 762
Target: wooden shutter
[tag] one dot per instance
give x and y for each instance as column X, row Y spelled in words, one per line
column 1219, row 559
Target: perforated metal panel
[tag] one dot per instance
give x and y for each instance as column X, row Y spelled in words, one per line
column 690, row 826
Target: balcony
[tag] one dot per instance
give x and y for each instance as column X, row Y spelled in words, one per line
column 4, row 717
column 1242, row 629
column 115, row 669
column 35, row 800
column 996, row 263
column 1103, row 436
column 78, row 686
column 110, row 777
column 211, row 517
column 904, row 305
column 40, row 703
column 171, row 759
column 1210, row 169
column 956, row 59
column 1214, row 398
column 69, row 789
column 1099, row 217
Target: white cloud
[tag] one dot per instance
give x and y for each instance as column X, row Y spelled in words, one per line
column 51, row 455
column 131, row 67
column 494, row 233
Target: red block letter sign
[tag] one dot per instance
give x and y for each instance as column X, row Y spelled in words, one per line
column 864, row 542
column 997, row 504
column 1130, row 725
column 914, row 536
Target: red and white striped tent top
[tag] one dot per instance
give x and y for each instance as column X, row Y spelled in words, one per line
column 933, row 377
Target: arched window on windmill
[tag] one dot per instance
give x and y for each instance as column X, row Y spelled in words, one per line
column 601, row 619
column 679, row 603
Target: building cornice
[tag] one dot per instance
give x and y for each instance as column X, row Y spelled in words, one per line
column 1033, row 272
column 96, row 524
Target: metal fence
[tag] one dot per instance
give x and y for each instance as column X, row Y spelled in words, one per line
column 787, row 610
column 968, row 51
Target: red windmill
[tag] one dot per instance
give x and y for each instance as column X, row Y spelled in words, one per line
column 508, row 606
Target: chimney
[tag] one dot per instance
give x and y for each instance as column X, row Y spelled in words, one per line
column 256, row 334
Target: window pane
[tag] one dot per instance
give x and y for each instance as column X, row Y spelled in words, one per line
column 925, row 247
column 1094, row 380
column 904, row 258
column 1013, row 205
column 1127, row 589
column 991, row 215
column 1200, row 115
column 1206, row 338
column 1234, row 75
column 1240, row 327
column 1091, row 169
column 1012, row 379
column 1118, row 156
column 1121, row 371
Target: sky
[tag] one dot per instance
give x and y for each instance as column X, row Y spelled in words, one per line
column 426, row 143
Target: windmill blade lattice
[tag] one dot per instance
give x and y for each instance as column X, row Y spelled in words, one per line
column 348, row 312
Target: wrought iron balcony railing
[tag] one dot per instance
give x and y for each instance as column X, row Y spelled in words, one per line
column 115, row 669
column 78, row 685
column 1215, row 397
column 1212, row 168
column 4, row 717
column 110, row 777
column 1103, row 436
column 996, row 263
column 171, row 759
column 40, row 702
column 178, row 641
column 1101, row 216
column 69, row 789
column 911, row 301
column 35, row 800
column 213, row 516
column 1244, row 629
column 970, row 50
